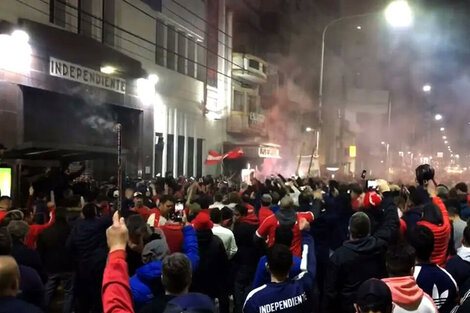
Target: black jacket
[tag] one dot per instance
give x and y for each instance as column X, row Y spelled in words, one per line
column 246, row 259
column 87, row 243
column 211, row 275
column 31, row 287
column 358, row 260
column 28, row 257
column 51, row 246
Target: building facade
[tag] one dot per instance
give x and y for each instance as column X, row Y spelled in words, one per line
column 71, row 70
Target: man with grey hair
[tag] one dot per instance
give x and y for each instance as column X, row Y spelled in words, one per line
column 9, row 287
column 287, row 216
column 361, row 257
column 23, row 254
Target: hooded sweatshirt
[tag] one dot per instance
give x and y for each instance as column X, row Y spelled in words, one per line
column 408, row 297
column 267, row 229
column 358, row 260
column 459, row 267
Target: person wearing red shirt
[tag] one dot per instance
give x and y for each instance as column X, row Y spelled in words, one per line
column 35, row 229
column 285, row 216
column 140, row 208
column 165, row 208
column 265, row 210
column 5, row 205
column 115, row 291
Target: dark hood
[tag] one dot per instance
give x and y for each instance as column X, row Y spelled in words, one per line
column 367, row 245
column 204, row 236
column 286, row 217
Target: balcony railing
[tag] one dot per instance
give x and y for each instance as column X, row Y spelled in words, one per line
column 246, row 123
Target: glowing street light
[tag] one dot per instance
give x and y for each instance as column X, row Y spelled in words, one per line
column 358, row 27
column 398, row 14
column 444, row 137
column 309, row 129
column 438, row 117
column 446, row 142
column 442, row 129
column 108, row 69
column 427, row 88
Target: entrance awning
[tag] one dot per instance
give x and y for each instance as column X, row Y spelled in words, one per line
column 50, row 151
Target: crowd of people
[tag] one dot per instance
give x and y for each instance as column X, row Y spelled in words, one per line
column 212, row 245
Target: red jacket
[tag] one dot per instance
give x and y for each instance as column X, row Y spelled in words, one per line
column 145, row 212
column 264, row 213
column 35, row 230
column 441, row 235
column 2, row 215
column 116, row 293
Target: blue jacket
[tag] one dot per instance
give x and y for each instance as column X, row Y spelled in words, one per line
column 262, row 275
column 290, row 296
column 146, row 283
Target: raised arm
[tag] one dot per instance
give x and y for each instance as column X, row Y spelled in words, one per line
column 190, row 246
column 390, row 224
column 116, row 293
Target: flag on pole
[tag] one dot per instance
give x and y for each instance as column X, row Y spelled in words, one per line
column 215, row 158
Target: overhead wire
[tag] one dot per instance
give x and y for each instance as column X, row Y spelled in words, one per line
column 128, row 40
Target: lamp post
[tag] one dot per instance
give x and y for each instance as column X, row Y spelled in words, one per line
column 398, row 14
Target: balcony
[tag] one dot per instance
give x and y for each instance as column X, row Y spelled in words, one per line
column 249, row 69
column 246, row 123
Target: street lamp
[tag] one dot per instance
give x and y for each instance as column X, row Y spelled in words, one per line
column 444, row 137
column 438, row 117
column 442, row 129
column 397, row 14
column 427, row 88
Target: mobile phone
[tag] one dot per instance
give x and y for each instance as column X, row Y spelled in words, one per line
column 363, row 174
column 179, row 209
column 371, row 184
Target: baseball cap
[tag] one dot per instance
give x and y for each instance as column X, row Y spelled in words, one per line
column 373, row 292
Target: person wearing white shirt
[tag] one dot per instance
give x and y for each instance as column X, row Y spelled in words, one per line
column 218, row 197
column 225, row 234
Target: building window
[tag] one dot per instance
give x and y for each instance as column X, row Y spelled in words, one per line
column 154, row 4
column 160, row 53
column 199, row 158
column 191, row 56
column 169, row 154
column 201, row 60
column 253, row 64
column 57, row 12
column 237, row 103
column 107, row 29
column 252, row 104
column 85, row 11
column 180, row 155
column 159, row 143
column 190, row 156
column 182, row 52
column 171, row 45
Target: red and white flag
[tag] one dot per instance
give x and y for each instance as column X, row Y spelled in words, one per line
column 215, row 158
